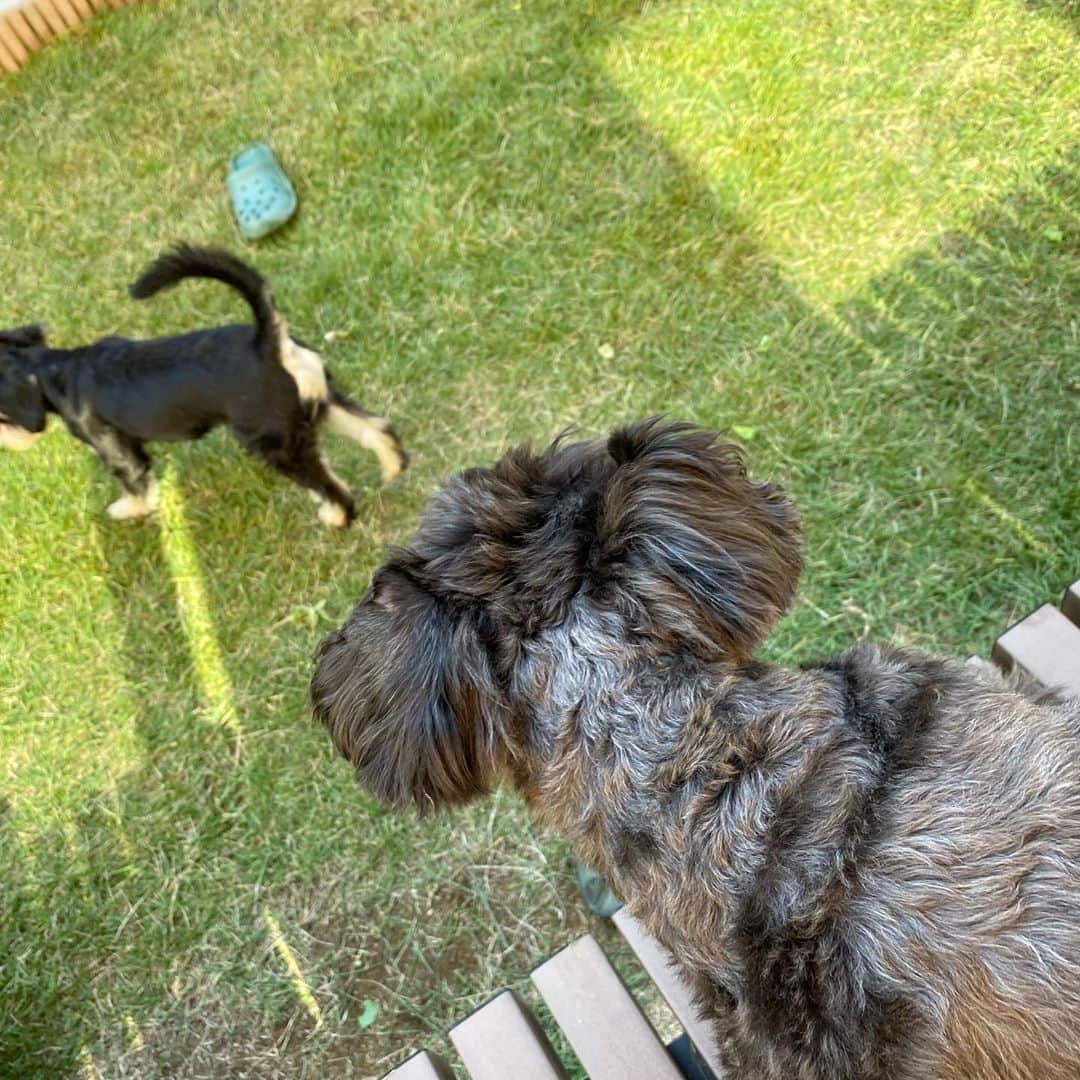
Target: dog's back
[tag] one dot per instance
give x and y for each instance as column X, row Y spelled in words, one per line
column 879, row 876
column 270, row 339
column 974, row 891
column 870, row 868
column 177, row 387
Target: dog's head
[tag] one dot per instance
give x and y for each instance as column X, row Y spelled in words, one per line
column 22, row 404
column 656, row 533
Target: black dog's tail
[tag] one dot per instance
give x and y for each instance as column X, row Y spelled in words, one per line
column 186, row 261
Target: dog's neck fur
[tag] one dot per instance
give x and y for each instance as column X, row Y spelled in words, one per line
column 625, row 766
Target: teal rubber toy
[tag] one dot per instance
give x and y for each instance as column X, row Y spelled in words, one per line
column 262, row 197
column 599, row 899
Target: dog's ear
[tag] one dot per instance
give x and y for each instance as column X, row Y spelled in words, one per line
column 405, row 690
column 21, row 401
column 24, row 337
column 690, row 546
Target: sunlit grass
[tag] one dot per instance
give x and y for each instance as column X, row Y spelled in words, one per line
column 292, row 965
column 196, row 618
column 852, row 133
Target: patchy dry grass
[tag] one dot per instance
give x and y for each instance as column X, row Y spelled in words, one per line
column 854, row 243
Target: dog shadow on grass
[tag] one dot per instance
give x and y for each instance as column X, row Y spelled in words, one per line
column 236, row 807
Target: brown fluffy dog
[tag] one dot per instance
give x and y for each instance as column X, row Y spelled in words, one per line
column 869, row 867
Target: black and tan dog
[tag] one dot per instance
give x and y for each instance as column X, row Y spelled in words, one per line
column 869, row 867
column 118, row 395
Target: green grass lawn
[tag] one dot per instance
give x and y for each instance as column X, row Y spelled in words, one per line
column 847, row 232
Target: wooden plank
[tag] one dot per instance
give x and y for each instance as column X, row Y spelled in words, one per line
column 600, row 1019
column 10, row 40
column 66, row 12
column 18, row 22
column 1047, row 646
column 502, row 1039
column 82, row 9
column 38, row 21
column 1070, row 603
column 657, row 961
column 7, row 61
column 51, row 13
column 422, row 1066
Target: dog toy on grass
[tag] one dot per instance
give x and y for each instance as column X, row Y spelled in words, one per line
column 262, row 197
column 599, row 899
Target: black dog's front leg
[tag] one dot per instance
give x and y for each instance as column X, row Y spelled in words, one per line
column 128, row 461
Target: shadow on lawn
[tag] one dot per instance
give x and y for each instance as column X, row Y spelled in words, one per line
column 963, row 364
column 616, row 240
column 1067, row 11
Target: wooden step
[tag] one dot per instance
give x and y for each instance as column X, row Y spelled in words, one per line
column 657, row 961
column 602, row 1022
column 502, row 1039
column 422, row 1066
column 1070, row 603
column 1047, row 646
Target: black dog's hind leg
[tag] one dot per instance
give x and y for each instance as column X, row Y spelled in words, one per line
column 300, row 459
column 128, row 461
column 345, row 417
